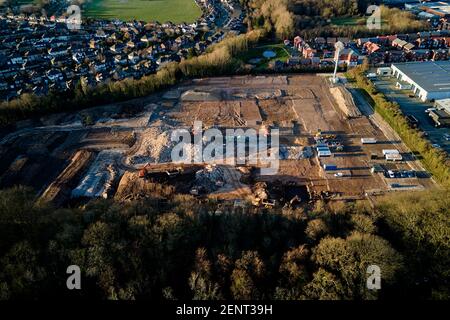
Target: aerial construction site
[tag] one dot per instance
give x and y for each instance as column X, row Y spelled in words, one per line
column 329, row 147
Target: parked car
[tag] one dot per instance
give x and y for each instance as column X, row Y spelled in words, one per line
column 411, row 174
column 391, row 174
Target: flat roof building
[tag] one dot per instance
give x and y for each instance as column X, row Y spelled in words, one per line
column 440, row 117
column 443, row 104
column 430, row 80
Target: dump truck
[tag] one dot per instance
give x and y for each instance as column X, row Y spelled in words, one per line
column 143, row 171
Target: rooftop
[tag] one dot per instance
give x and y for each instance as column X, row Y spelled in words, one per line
column 444, row 103
column 432, row 76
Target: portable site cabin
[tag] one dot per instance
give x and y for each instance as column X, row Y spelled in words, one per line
column 368, row 140
column 329, row 167
column 390, row 151
column 323, row 152
column 394, row 157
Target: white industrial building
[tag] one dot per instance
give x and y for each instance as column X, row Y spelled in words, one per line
column 429, row 80
column 443, row 104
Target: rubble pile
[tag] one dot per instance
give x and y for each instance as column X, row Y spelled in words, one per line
column 208, row 179
column 156, row 147
column 195, row 95
column 295, row 152
column 269, row 95
column 101, row 176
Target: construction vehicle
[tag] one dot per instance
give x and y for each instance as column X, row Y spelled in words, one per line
column 143, row 172
column 197, row 190
column 319, row 133
column 269, row 203
column 175, row 172
column 321, row 136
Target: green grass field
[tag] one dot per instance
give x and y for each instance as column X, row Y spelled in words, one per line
column 146, row 10
column 347, row 21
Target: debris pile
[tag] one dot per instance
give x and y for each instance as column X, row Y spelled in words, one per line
column 208, row 179
column 270, row 95
column 295, row 152
column 101, row 176
column 259, row 193
column 345, row 102
column 156, row 147
column 194, row 95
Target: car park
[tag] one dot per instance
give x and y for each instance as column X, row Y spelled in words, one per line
column 400, row 174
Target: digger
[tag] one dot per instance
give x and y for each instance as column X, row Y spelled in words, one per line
column 143, row 172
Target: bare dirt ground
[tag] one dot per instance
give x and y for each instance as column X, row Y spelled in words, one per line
column 62, row 186
column 137, row 133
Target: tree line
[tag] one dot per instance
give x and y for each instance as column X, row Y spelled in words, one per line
column 273, row 16
column 180, row 248
column 393, row 21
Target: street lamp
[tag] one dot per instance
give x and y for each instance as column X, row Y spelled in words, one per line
column 338, row 46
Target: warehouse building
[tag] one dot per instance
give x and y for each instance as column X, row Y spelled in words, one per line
column 429, row 80
column 443, row 104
